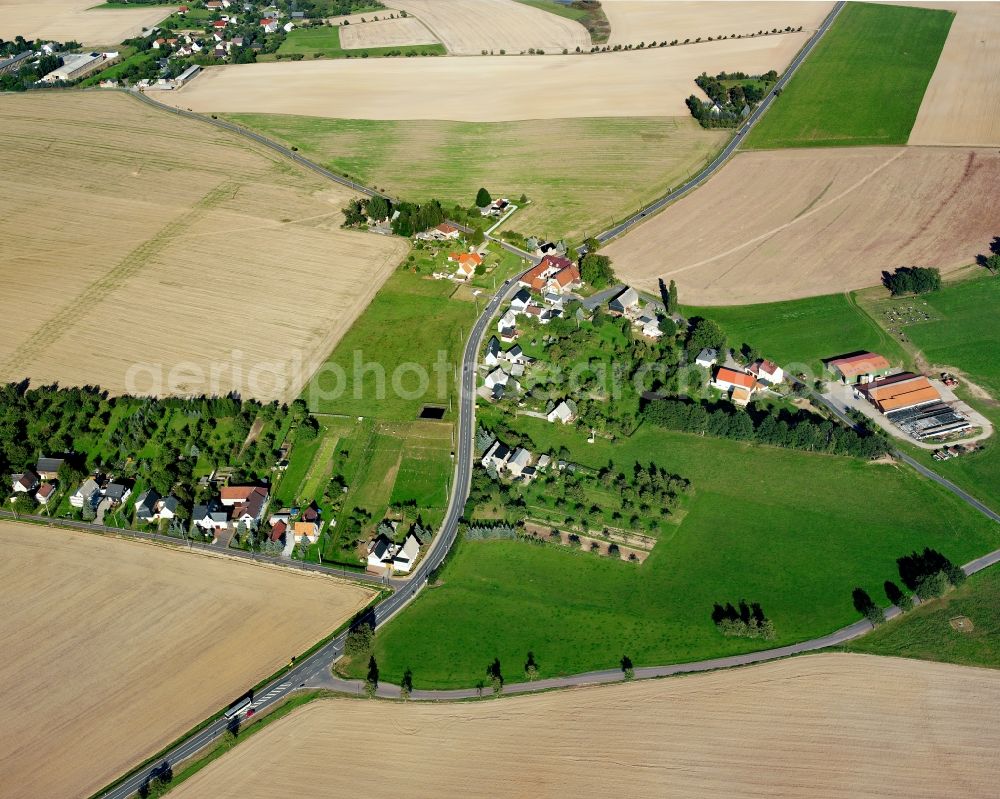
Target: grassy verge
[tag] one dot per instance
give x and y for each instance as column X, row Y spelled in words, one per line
column 580, row 175
column 927, row 633
column 862, row 84
column 794, row 531
column 325, row 42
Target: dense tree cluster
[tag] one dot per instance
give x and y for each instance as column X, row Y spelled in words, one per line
column 912, row 280
column 733, row 96
column 159, row 440
column 329, row 8
column 929, row 573
column 794, row 430
column 744, row 621
column 596, row 270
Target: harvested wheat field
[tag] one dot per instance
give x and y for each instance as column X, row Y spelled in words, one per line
column 385, row 33
column 467, row 27
column 634, row 21
column 642, row 83
column 822, row 726
column 962, row 103
column 163, row 256
column 112, row 648
column 76, row 20
column 789, row 224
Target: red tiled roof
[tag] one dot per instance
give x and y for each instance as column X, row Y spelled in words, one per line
column 731, row 376
column 861, row 364
column 278, row 530
column 556, row 262
column 567, row 276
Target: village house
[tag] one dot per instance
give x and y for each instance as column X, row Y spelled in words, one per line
column 496, row 456
column 278, row 530
column 145, row 505
column 766, row 372
column 25, row 483
column 738, row 385
column 380, row 552
column 48, row 468
column 520, row 301
column 406, row 554
column 467, row 263
column 44, row 493
column 707, row 358
column 492, row 355
column 518, row 462
column 507, row 326
column 625, row 303
column 566, row 279
column 211, row 517
column 118, row 492
column 540, row 277
column 89, row 493
column 495, row 208
column 564, row 411
column 247, row 503
column 862, row 367
column 649, row 326
column 308, row 531
column 269, row 25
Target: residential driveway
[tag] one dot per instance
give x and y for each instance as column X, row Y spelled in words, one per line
column 843, row 397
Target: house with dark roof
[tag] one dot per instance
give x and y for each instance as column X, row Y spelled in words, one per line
column 48, row 468
column 211, row 517
column 44, row 493
column 145, row 505
column 25, row 483
column 118, row 492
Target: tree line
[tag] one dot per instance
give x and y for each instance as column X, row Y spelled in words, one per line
column 799, row 430
column 746, row 620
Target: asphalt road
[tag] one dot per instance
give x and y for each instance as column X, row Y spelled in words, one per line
column 737, row 140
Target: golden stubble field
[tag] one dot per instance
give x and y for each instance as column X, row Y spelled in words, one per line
column 634, row 21
column 962, row 103
column 158, row 255
column 639, row 83
column 76, row 20
column 467, row 27
column 385, row 33
column 798, row 223
column 823, row 727
column 112, row 649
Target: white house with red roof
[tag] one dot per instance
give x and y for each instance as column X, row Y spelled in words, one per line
column 766, row 371
column 740, row 386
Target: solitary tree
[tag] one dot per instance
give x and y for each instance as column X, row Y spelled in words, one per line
column 406, row 685
column 672, row 292
column 627, row 669
column 483, row 198
column 477, row 236
column 371, row 681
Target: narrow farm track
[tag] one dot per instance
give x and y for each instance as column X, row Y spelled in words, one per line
column 314, row 671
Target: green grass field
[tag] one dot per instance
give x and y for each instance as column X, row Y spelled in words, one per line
column 794, row 531
column 325, row 41
column 925, row 632
column 412, row 324
column 580, row 175
column 863, row 83
column 800, row 333
column 962, row 336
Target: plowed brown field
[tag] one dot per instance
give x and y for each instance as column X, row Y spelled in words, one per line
column 799, row 223
column 634, row 21
column 467, row 27
column 822, row 727
column 962, row 101
column 76, row 20
column 150, row 254
column 112, row 649
column 639, row 83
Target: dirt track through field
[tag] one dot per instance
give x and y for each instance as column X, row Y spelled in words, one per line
column 76, row 20
column 641, row 83
column 113, row 648
column 790, row 224
column 385, row 33
column 962, row 103
column 634, row 21
column 161, row 256
column 823, row 727
column 467, row 27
